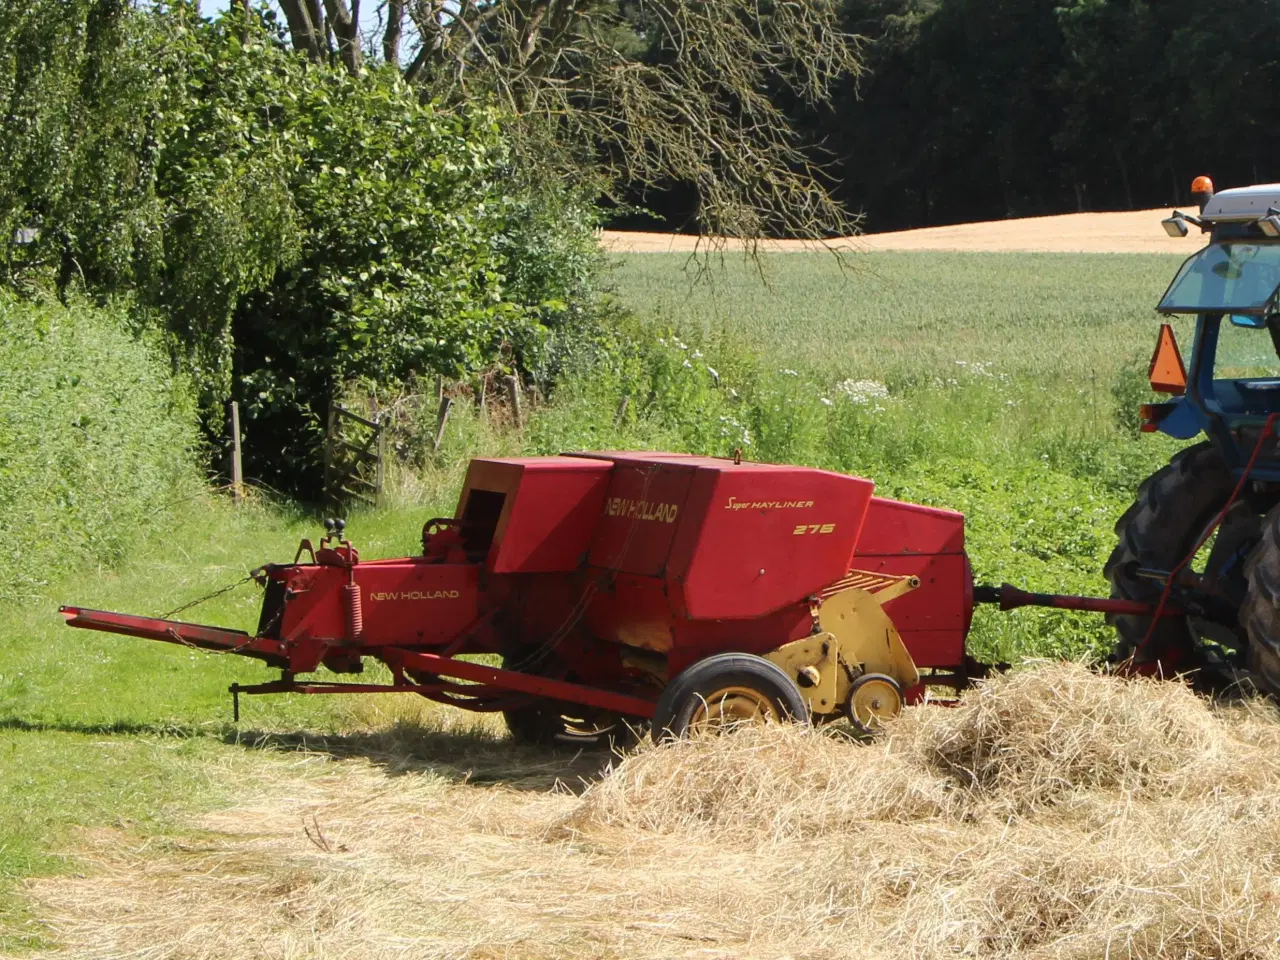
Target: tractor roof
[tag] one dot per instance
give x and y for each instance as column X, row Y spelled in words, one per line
column 1242, row 203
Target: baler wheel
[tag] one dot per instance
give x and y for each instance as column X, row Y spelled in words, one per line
column 544, row 722
column 1172, row 510
column 873, row 698
column 725, row 689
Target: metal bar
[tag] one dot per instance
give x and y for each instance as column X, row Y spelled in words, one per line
column 319, row 687
column 522, row 682
column 185, row 634
column 1010, row 597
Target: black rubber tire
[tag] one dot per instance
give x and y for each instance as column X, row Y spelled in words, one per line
column 1260, row 612
column 535, row 724
column 1172, row 508
column 683, row 695
column 544, row 722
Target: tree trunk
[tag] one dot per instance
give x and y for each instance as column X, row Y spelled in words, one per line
column 391, row 38
column 344, row 28
column 302, row 28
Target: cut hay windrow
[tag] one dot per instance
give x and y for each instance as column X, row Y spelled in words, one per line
column 1053, row 814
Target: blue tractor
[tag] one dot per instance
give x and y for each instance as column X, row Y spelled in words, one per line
column 1204, row 532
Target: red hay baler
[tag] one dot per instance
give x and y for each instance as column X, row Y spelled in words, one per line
column 632, row 588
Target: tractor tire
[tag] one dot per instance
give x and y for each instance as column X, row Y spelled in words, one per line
column 1260, row 613
column 727, row 688
column 1171, row 512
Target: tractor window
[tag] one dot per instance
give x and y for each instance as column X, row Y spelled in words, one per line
column 1225, row 278
column 1244, row 354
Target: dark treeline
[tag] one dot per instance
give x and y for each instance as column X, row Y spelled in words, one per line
column 984, row 109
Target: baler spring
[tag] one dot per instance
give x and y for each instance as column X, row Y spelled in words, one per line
column 353, row 607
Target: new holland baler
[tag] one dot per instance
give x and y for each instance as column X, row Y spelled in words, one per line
column 627, row 588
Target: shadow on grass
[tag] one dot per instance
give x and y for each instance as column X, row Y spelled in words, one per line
column 115, row 727
column 461, row 756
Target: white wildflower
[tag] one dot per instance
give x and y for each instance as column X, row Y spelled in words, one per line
column 863, row 391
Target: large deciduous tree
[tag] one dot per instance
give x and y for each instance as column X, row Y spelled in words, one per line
column 620, row 94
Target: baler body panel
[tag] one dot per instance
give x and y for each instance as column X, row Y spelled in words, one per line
column 643, row 508
column 547, row 515
column 758, row 538
column 925, row 542
column 418, row 603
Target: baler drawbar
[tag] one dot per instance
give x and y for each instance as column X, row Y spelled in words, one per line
column 626, row 589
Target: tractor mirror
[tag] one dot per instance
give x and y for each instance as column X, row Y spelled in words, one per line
column 1248, row 320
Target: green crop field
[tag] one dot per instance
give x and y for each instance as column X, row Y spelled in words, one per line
column 906, row 316
column 1000, row 385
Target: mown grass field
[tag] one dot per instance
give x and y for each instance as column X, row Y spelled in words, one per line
column 1003, row 387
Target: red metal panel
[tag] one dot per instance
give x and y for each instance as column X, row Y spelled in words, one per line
column 758, row 537
column 552, row 505
column 635, row 611
column 896, row 527
column 926, row 542
column 417, row 603
column 942, row 649
column 642, row 509
column 938, row 603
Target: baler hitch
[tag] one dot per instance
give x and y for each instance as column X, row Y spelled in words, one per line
column 1009, row 597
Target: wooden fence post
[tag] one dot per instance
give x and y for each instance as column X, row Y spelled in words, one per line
column 237, row 468
column 513, row 392
column 441, row 419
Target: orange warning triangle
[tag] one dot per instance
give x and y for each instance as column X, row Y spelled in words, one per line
column 1167, row 374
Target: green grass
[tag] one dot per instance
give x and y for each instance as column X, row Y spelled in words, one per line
column 96, row 436
column 99, row 730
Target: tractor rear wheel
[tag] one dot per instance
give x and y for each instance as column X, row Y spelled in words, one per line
column 1260, row 613
column 1173, row 509
column 726, row 689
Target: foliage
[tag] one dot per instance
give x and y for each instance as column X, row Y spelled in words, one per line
column 292, row 228
column 983, row 109
column 96, row 437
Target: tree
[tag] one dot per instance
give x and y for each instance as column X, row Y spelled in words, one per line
column 289, row 228
column 615, row 93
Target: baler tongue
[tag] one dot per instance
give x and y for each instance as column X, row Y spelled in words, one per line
column 197, row 635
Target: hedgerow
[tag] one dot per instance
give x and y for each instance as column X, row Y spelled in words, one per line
column 96, row 440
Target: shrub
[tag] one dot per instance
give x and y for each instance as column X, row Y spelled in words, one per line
column 96, row 436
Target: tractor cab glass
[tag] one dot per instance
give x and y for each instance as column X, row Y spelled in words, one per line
column 1240, row 279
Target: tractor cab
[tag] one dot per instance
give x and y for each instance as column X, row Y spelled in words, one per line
column 1230, row 291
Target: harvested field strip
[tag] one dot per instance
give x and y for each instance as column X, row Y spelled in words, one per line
column 1129, row 231
column 1054, row 814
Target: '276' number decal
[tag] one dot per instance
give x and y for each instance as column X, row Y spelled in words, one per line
column 814, row 528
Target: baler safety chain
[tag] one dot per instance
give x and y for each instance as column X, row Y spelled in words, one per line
column 209, row 596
